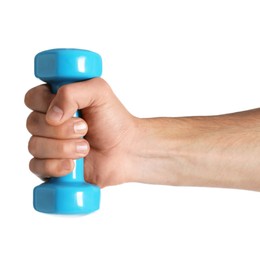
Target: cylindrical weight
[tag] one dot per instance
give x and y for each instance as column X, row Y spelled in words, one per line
column 69, row 194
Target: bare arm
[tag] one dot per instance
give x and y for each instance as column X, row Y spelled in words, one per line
column 214, row 151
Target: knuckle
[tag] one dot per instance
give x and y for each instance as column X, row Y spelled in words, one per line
column 32, row 95
column 101, row 83
column 28, row 98
column 32, row 165
column 65, row 92
column 32, row 144
column 40, row 168
column 32, row 122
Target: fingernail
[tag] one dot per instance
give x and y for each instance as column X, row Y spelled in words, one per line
column 80, row 127
column 54, row 114
column 82, row 148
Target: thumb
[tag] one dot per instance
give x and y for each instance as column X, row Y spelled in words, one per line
column 72, row 97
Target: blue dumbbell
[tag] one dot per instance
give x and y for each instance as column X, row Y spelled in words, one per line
column 69, row 194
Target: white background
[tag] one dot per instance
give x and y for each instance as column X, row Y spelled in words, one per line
column 162, row 58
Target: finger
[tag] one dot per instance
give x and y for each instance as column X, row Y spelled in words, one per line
column 72, row 128
column 45, row 148
column 39, row 98
column 45, row 168
column 72, row 97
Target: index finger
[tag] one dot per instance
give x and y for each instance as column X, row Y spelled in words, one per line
column 39, row 98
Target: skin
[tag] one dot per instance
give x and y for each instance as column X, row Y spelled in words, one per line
column 211, row 151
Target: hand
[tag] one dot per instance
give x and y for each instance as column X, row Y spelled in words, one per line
column 214, row 151
column 109, row 132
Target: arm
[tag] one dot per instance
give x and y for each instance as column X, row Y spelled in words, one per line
column 214, row 151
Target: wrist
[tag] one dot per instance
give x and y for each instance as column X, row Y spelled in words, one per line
column 156, row 152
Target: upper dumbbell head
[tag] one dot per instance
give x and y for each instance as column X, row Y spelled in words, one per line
column 67, row 65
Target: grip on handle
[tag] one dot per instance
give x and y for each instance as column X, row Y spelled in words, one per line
column 69, row 194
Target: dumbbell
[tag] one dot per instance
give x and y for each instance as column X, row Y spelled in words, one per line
column 69, row 194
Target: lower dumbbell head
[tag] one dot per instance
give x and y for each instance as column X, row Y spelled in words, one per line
column 69, row 194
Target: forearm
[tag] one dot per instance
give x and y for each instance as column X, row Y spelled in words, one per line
column 213, row 151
